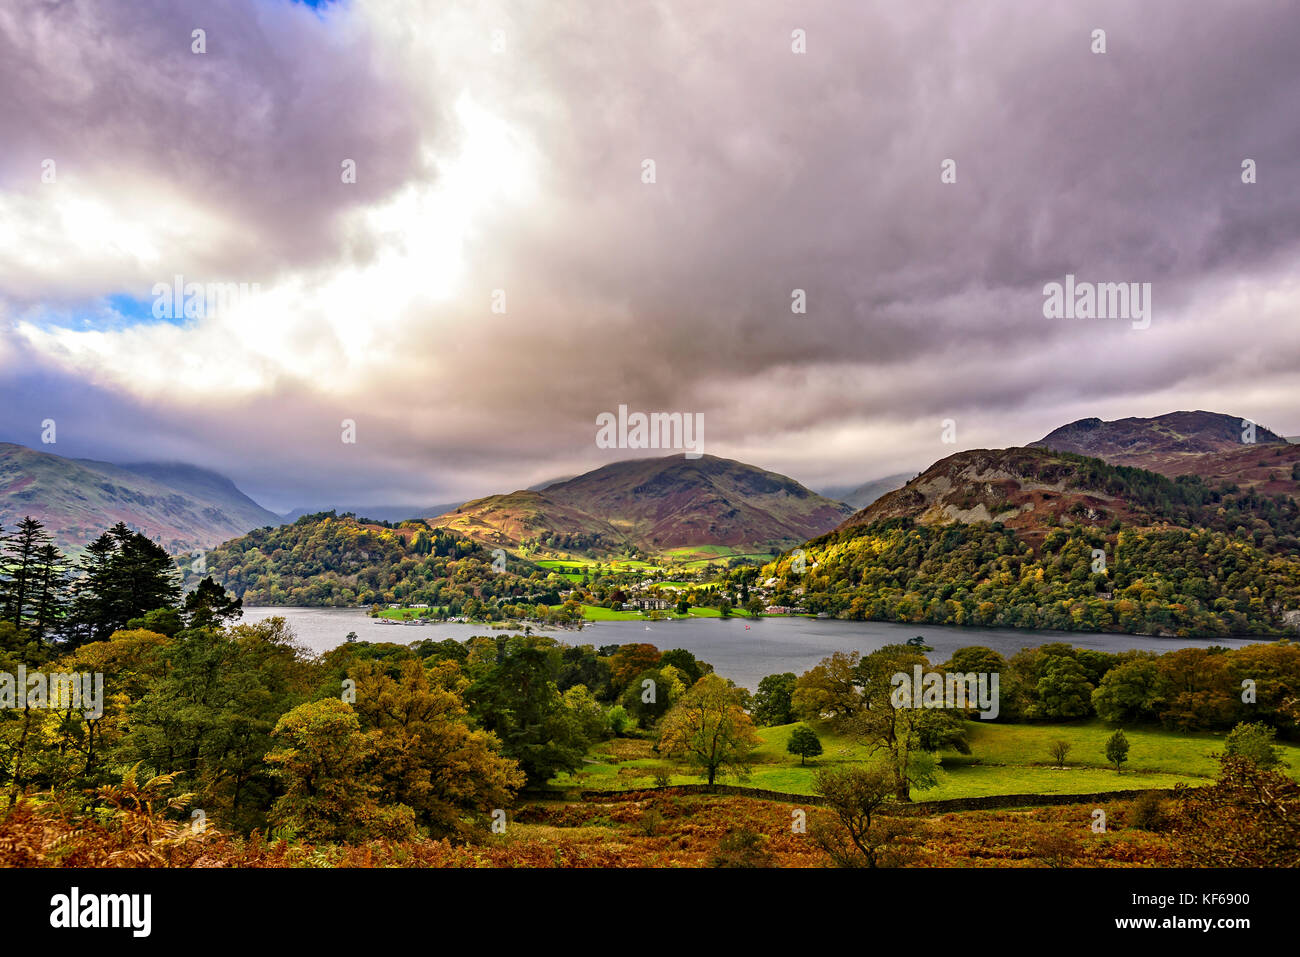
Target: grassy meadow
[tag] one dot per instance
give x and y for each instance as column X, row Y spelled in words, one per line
column 1004, row 759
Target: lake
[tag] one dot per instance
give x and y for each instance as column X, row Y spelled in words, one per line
column 744, row 654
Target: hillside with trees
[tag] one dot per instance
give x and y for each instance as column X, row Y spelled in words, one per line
column 342, row 561
column 1165, row 581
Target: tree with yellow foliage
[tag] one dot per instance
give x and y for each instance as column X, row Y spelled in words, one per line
column 710, row 729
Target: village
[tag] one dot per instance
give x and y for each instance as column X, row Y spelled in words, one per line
column 652, row 598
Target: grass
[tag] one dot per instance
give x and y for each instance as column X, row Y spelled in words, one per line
column 601, row 613
column 1004, row 759
column 402, row 614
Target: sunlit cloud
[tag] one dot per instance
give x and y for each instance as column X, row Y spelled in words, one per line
column 498, row 151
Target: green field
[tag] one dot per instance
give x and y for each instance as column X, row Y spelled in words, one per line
column 577, row 564
column 402, row 614
column 700, row 556
column 601, row 613
column 1004, row 759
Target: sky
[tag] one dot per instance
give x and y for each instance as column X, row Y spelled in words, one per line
column 499, row 271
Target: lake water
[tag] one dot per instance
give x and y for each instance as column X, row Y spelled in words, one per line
column 744, row 654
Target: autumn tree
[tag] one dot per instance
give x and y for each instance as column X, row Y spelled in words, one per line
column 629, row 661
column 210, row 710
column 857, row 795
column 425, row 753
column 323, row 763
column 709, row 728
column 830, row 690
column 1249, row 818
column 856, row 695
column 1134, row 690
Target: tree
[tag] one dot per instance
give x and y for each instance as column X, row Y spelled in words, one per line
column 1059, row 751
column 691, row 668
column 830, row 690
column 1254, row 742
column 617, row 720
column 32, row 576
column 50, row 600
column 629, row 661
column 1249, row 818
column 1117, row 750
column 124, row 575
column 210, row 709
column 210, row 605
column 1063, row 690
column 1133, row 690
column 857, row 794
column 322, row 762
column 858, row 697
column 774, row 700
column 804, row 742
column 710, row 729
column 425, row 754
column 518, row 699
column 754, row 606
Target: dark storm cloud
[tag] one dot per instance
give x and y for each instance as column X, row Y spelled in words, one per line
column 775, row 171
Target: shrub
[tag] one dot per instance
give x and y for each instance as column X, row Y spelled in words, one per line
column 1149, row 812
column 742, row 848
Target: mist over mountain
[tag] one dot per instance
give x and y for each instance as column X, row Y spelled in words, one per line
column 860, row 496
column 182, row 507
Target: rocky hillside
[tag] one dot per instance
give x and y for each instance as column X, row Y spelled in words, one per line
column 1145, row 442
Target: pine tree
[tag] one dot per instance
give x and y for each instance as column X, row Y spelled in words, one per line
column 51, row 591
column 124, row 575
column 23, row 564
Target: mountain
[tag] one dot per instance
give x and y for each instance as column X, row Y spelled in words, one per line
column 860, row 496
column 1034, row 490
column 1157, row 440
column 1038, row 538
column 180, row 506
column 1023, row 488
column 653, row 504
column 1206, row 444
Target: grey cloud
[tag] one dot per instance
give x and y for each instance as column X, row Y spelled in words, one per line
column 775, row 171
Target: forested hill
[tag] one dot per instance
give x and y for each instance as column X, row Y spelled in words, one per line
column 1035, row 539
column 332, row 560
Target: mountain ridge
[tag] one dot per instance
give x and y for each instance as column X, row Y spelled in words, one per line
column 653, row 503
column 77, row 499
